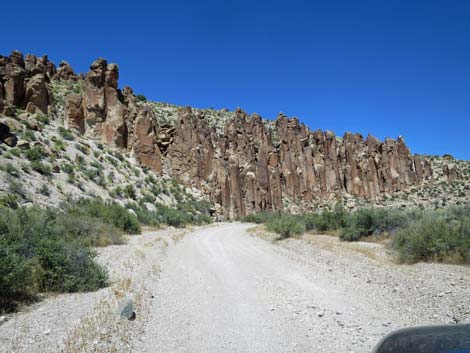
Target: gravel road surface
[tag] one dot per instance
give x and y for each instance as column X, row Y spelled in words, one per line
column 224, row 290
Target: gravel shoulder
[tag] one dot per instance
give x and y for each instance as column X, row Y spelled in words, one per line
column 227, row 288
column 87, row 322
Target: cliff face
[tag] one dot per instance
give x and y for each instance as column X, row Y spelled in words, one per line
column 252, row 165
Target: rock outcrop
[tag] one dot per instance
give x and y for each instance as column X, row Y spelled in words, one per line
column 250, row 165
column 23, row 81
column 246, row 170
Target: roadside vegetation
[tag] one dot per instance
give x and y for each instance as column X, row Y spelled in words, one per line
column 52, row 249
column 441, row 235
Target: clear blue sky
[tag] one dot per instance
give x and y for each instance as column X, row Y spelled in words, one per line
column 385, row 67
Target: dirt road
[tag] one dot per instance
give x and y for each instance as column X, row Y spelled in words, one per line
column 222, row 289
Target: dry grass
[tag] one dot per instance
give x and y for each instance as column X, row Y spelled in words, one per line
column 373, row 248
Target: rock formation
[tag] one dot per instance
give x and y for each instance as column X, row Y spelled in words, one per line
column 23, row 81
column 252, row 165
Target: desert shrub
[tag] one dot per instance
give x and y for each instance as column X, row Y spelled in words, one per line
column 91, row 230
column 440, row 235
column 108, row 212
column 141, row 98
column 82, row 148
column 260, row 217
column 286, row 225
column 34, row 154
column 42, row 118
column 68, row 266
column 189, row 212
column 67, row 168
column 15, row 187
column 65, row 133
column 29, row 135
column 373, row 221
column 9, row 201
column 42, row 168
column 59, row 145
column 36, row 254
column 112, row 160
column 80, row 160
column 327, row 220
column 12, row 170
column 16, row 273
column 44, row 190
column 148, row 197
column 15, row 151
column 129, row 191
column 94, row 174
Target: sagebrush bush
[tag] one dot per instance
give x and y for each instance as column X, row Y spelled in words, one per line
column 374, row 221
column 286, row 225
column 34, row 154
column 41, row 168
column 65, row 133
column 439, row 235
column 36, row 254
column 260, row 217
column 417, row 235
column 12, row 170
column 187, row 212
column 108, row 212
column 326, row 220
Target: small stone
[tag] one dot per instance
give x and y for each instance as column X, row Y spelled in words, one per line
column 321, row 314
column 126, row 310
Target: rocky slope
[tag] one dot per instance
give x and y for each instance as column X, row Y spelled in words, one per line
column 241, row 162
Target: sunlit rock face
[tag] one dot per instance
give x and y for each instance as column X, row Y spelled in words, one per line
column 245, row 165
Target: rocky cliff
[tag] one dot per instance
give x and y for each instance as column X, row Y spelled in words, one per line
column 243, row 163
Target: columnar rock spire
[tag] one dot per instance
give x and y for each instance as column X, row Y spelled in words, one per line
column 252, row 165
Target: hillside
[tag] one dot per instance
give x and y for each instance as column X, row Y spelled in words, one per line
column 67, row 135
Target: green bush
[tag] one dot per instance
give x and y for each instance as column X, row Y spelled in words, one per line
column 34, row 154
column 44, row 190
column 36, row 254
column 29, row 135
column 65, row 133
column 374, row 221
column 141, row 98
column 327, row 220
column 82, row 148
column 188, row 212
column 260, row 217
column 286, row 225
column 440, row 235
column 42, row 168
column 12, row 170
column 109, row 212
column 15, row 187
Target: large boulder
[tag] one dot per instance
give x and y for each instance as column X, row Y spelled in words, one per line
column 6, row 136
column 37, row 93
